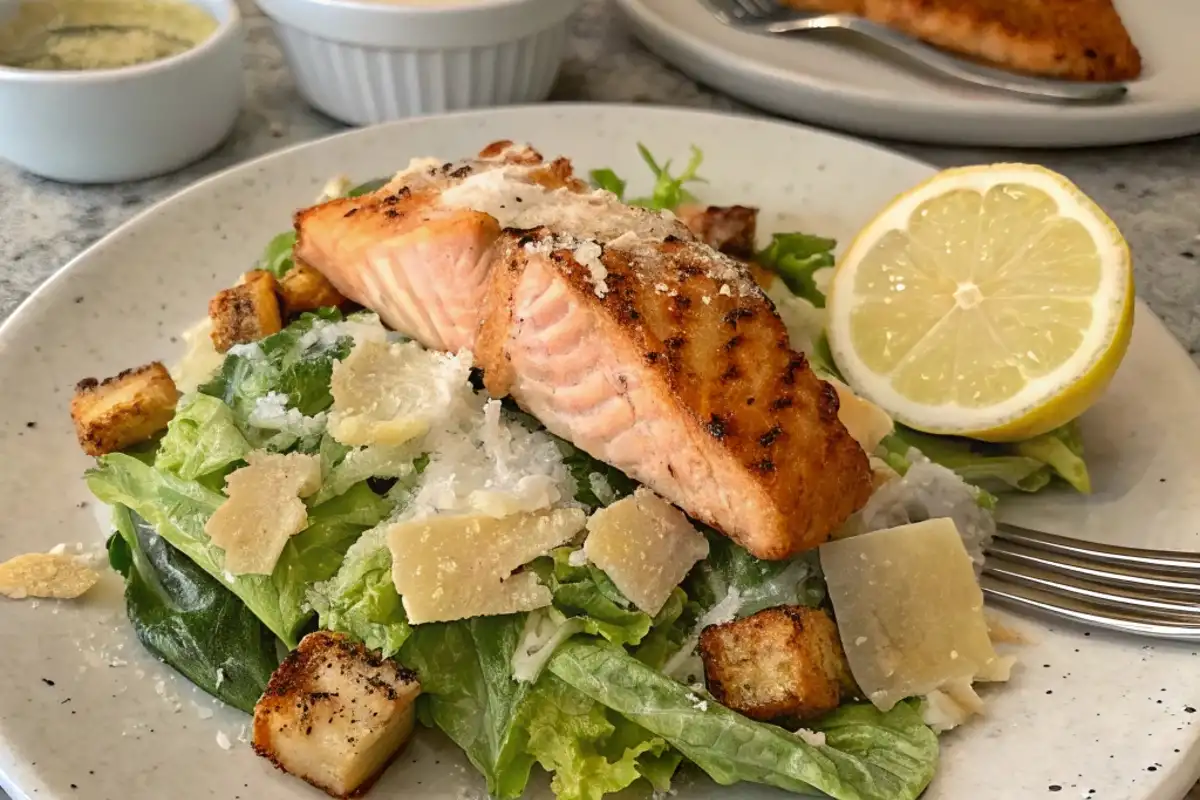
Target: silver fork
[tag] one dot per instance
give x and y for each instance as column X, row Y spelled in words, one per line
column 1152, row 593
column 769, row 17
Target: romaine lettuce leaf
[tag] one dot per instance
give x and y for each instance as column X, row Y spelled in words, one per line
column 588, row 593
column 296, row 362
column 868, row 755
column 201, row 439
column 188, row 619
column 1062, row 451
column 359, row 464
column 573, row 737
column 504, row 726
column 1026, row 466
column 361, row 599
column 179, row 509
column 466, row 674
column 757, row 584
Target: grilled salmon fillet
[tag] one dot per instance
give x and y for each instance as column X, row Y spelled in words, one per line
column 679, row 374
column 1071, row 39
column 614, row 326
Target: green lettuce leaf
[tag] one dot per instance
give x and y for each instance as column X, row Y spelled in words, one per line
column 868, row 755
column 1026, row 466
column 504, row 726
column 731, row 571
column 466, row 674
column 1062, row 451
column 179, row 510
column 609, row 181
column 361, row 599
column 360, row 464
column 668, row 192
column 596, row 484
column 368, row 187
column 188, row 619
column 277, row 257
column 573, row 737
column 795, row 257
column 586, row 592
column 202, row 438
column 290, row 362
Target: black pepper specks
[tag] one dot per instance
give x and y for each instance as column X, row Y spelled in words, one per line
column 47, row 681
column 732, row 318
column 350, row 213
column 770, row 437
column 717, row 427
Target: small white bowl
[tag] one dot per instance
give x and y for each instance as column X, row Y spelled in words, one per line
column 104, row 126
column 364, row 62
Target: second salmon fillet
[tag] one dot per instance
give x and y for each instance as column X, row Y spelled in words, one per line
column 614, row 327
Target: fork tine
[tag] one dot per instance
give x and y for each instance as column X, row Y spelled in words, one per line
column 751, row 9
column 1146, row 579
column 1141, row 623
column 1082, row 590
column 764, row 8
column 1174, row 562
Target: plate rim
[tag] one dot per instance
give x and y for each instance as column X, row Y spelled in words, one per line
column 817, row 101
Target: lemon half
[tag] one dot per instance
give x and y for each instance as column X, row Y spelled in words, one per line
column 994, row 302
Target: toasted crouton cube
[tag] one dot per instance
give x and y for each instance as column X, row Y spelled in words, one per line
column 729, row 229
column 117, row 412
column 784, row 663
column 247, row 312
column 304, row 289
column 335, row 714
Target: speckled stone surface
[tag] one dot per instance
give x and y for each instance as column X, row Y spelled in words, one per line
column 1152, row 192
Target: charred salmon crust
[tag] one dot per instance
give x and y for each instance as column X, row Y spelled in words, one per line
column 680, row 374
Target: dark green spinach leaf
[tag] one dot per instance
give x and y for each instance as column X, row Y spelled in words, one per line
column 188, row 619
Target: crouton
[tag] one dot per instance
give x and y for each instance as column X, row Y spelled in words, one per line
column 784, row 663
column 302, row 289
column 729, row 229
column 247, row 312
column 335, row 714
column 117, row 412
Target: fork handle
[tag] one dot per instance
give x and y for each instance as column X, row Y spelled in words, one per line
column 960, row 68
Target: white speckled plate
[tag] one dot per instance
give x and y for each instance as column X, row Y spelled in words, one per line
column 86, row 715
column 841, row 83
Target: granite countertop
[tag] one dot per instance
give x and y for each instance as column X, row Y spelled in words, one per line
column 1151, row 191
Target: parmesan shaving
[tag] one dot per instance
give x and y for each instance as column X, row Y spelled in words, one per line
column 645, row 545
column 390, row 393
column 46, row 575
column 910, row 612
column 263, row 510
column 455, row 567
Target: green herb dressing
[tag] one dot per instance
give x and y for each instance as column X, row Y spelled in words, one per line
column 55, row 35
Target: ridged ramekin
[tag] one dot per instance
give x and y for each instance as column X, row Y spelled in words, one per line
column 364, row 62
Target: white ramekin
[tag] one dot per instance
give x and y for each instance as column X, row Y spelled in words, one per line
column 102, row 126
column 364, row 61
